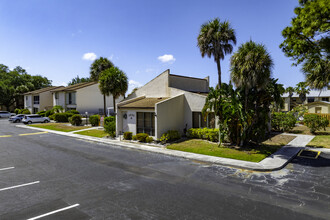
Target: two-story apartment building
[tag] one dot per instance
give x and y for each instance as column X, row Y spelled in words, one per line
column 316, row 101
column 40, row 99
column 83, row 97
column 168, row 102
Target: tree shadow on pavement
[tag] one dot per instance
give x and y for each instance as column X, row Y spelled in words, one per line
column 323, row 160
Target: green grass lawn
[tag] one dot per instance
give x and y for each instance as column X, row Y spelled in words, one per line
column 59, row 127
column 305, row 130
column 93, row 133
column 320, row 141
column 253, row 154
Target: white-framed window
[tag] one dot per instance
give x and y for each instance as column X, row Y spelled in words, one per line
column 71, row 98
column 146, row 123
column 198, row 121
column 36, row 100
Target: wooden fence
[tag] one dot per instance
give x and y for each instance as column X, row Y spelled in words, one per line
column 321, row 114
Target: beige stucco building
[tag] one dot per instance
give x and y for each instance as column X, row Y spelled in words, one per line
column 83, row 97
column 168, row 102
column 40, row 99
column 316, row 101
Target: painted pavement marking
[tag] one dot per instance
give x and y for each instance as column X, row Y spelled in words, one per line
column 17, row 186
column 53, row 212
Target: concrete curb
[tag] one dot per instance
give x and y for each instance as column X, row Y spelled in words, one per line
column 276, row 161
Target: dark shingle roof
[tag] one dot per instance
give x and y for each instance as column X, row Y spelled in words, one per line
column 46, row 89
column 148, row 103
column 74, row 87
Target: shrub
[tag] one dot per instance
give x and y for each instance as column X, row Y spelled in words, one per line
column 149, row 139
column 95, row 120
column 61, row 117
column 73, row 112
column 315, row 122
column 109, row 119
column 75, row 120
column 58, row 109
column 42, row 113
column 142, row 137
column 211, row 134
column 170, row 135
column 127, row 135
column 110, row 128
column 25, row 111
column 51, row 117
column 283, row 121
column 69, row 115
column 134, row 137
column 49, row 112
column 17, row 111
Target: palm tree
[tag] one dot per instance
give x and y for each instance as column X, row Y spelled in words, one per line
column 251, row 67
column 216, row 39
column 96, row 69
column 302, row 90
column 113, row 81
column 317, row 72
column 290, row 90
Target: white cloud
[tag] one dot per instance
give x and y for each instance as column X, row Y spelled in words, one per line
column 110, row 57
column 166, row 58
column 132, row 84
column 149, row 70
column 89, row 56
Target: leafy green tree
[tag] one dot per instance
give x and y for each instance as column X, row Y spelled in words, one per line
column 77, row 80
column 251, row 68
column 98, row 66
column 307, row 41
column 113, row 82
column 216, row 39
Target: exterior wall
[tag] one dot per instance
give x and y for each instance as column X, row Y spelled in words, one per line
column 28, row 102
column 324, row 109
column 193, row 103
column 61, row 99
column 170, row 115
column 189, row 84
column 129, row 124
column 158, row 87
column 89, row 99
column 45, row 101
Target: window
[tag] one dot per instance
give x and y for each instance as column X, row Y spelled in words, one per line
column 146, row 123
column 71, row 98
column 35, row 110
column 198, row 121
column 26, row 98
column 318, row 109
column 56, row 95
column 326, row 99
column 36, row 100
column 309, row 100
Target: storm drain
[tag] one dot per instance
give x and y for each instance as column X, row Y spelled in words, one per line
column 311, row 154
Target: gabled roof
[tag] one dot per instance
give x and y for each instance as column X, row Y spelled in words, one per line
column 46, row 89
column 144, row 103
column 74, row 87
column 318, row 103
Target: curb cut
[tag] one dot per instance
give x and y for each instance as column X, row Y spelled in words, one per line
column 274, row 162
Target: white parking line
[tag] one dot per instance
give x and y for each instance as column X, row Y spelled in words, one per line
column 53, row 212
column 7, row 168
column 17, row 186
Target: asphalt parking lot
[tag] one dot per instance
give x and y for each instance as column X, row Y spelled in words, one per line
column 48, row 176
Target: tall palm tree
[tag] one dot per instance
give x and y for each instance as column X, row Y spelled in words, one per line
column 251, row 67
column 113, row 81
column 96, row 69
column 290, row 90
column 216, row 39
column 302, row 90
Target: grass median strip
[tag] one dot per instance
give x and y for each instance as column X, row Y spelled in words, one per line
column 60, row 127
column 93, row 133
column 320, row 141
column 248, row 153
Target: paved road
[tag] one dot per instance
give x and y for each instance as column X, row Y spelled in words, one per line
column 110, row 182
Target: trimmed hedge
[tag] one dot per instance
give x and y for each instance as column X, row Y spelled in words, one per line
column 170, row 135
column 25, row 111
column 110, row 128
column 75, row 120
column 128, row 135
column 61, row 117
column 73, row 112
column 134, row 138
column 149, row 139
column 109, row 119
column 42, row 113
column 142, row 137
column 211, row 134
column 94, row 120
column 283, row 121
column 49, row 113
column 315, row 122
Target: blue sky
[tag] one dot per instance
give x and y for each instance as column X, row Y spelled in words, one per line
column 51, row 37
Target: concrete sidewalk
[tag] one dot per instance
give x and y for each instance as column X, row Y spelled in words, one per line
column 276, row 161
